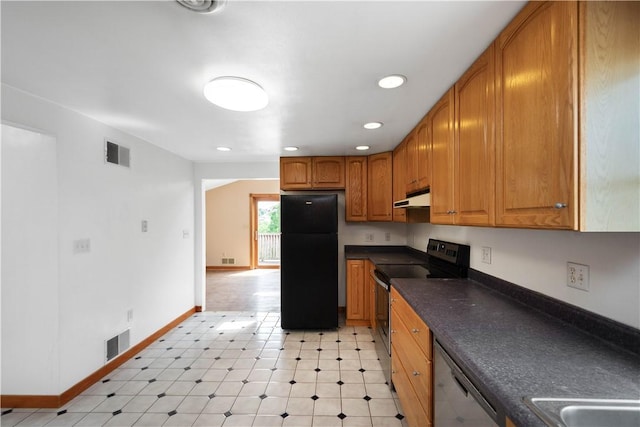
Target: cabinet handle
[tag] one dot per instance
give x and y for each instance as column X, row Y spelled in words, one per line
column 416, row 373
column 393, row 331
column 560, row 205
column 452, row 212
column 415, row 330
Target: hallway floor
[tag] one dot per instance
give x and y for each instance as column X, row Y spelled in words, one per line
column 237, row 368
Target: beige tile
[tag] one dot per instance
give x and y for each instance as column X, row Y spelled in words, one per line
column 181, row 420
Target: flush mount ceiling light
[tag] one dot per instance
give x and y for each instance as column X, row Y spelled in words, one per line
column 372, row 125
column 236, row 93
column 391, row 82
column 203, row 6
column 362, row 147
column 223, row 148
column 290, row 148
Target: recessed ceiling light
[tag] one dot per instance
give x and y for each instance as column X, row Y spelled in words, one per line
column 362, row 147
column 372, row 125
column 236, row 93
column 223, row 149
column 391, row 82
column 290, row 148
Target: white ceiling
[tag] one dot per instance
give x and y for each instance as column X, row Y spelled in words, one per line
column 141, row 67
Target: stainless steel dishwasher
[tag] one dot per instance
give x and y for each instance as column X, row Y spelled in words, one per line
column 457, row 402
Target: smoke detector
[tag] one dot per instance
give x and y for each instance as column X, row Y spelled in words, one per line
column 203, row 6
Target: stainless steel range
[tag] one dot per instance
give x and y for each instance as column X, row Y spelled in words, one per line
column 444, row 260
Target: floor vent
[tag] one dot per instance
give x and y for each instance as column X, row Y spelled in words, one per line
column 117, row 344
column 116, row 154
column 226, row 261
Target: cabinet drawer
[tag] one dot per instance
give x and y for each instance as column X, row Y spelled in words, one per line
column 419, row 330
column 417, row 366
column 411, row 405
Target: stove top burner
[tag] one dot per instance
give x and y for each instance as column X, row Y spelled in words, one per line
column 444, row 260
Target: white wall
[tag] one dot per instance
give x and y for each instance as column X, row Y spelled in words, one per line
column 150, row 273
column 30, row 262
column 536, row 259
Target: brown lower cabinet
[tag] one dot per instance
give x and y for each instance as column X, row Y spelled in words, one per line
column 357, row 310
column 411, row 362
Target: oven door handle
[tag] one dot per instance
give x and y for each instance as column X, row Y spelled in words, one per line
column 378, row 281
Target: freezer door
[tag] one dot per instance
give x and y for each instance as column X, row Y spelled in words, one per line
column 309, row 281
column 309, row 213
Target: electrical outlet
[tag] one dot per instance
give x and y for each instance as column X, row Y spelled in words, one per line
column 486, row 255
column 387, row 236
column 578, row 276
column 130, row 315
column 185, row 234
column 144, row 226
column 81, row 246
column 368, row 237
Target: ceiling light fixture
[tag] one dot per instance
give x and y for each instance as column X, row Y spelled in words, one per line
column 373, row 125
column 290, row 148
column 223, row 149
column 391, row 82
column 362, row 147
column 236, row 93
column 203, row 6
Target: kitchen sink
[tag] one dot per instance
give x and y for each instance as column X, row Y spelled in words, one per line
column 560, row 412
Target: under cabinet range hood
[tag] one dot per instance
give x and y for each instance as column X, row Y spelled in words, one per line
column 418, row 200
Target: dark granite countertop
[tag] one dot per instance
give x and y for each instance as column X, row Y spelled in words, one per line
column 386, row 254
column 510, row 350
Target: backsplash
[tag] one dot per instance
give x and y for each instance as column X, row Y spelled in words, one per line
column 537, row 260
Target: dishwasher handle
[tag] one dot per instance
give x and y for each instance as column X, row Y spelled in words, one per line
column 465, row 383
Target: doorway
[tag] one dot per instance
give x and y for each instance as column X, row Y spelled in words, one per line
column 265, row 230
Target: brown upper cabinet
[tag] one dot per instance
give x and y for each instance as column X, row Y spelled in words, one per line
column 355, row 193
column 312, row 173
column 369, row 190
column 418, row 161
column 474, row 152
column 399, row 180
column 462, row 128
column 441, row 124
column 380, row 189
column 537, row 118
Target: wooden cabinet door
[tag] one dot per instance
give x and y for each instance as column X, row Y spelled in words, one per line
column 379, row 189
column 441, row 124
column 356, row 188
column 423, row 147
column 357, row 293
column 412, row 162
column 328, row 173
column 399, row 181
column 537, row 141
column 295, row 173
column 475, row 143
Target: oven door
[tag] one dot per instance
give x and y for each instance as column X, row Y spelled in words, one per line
column 383, row 343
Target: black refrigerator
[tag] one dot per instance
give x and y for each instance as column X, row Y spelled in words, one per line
column 309, row 261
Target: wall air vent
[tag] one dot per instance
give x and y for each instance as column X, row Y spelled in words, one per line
column 116, row 154
column 203, row 6
column 226, row 261
column 116, row 345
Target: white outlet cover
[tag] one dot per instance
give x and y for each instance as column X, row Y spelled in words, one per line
column 486, row 255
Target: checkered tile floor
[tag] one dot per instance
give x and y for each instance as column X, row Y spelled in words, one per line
column 236, row 369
